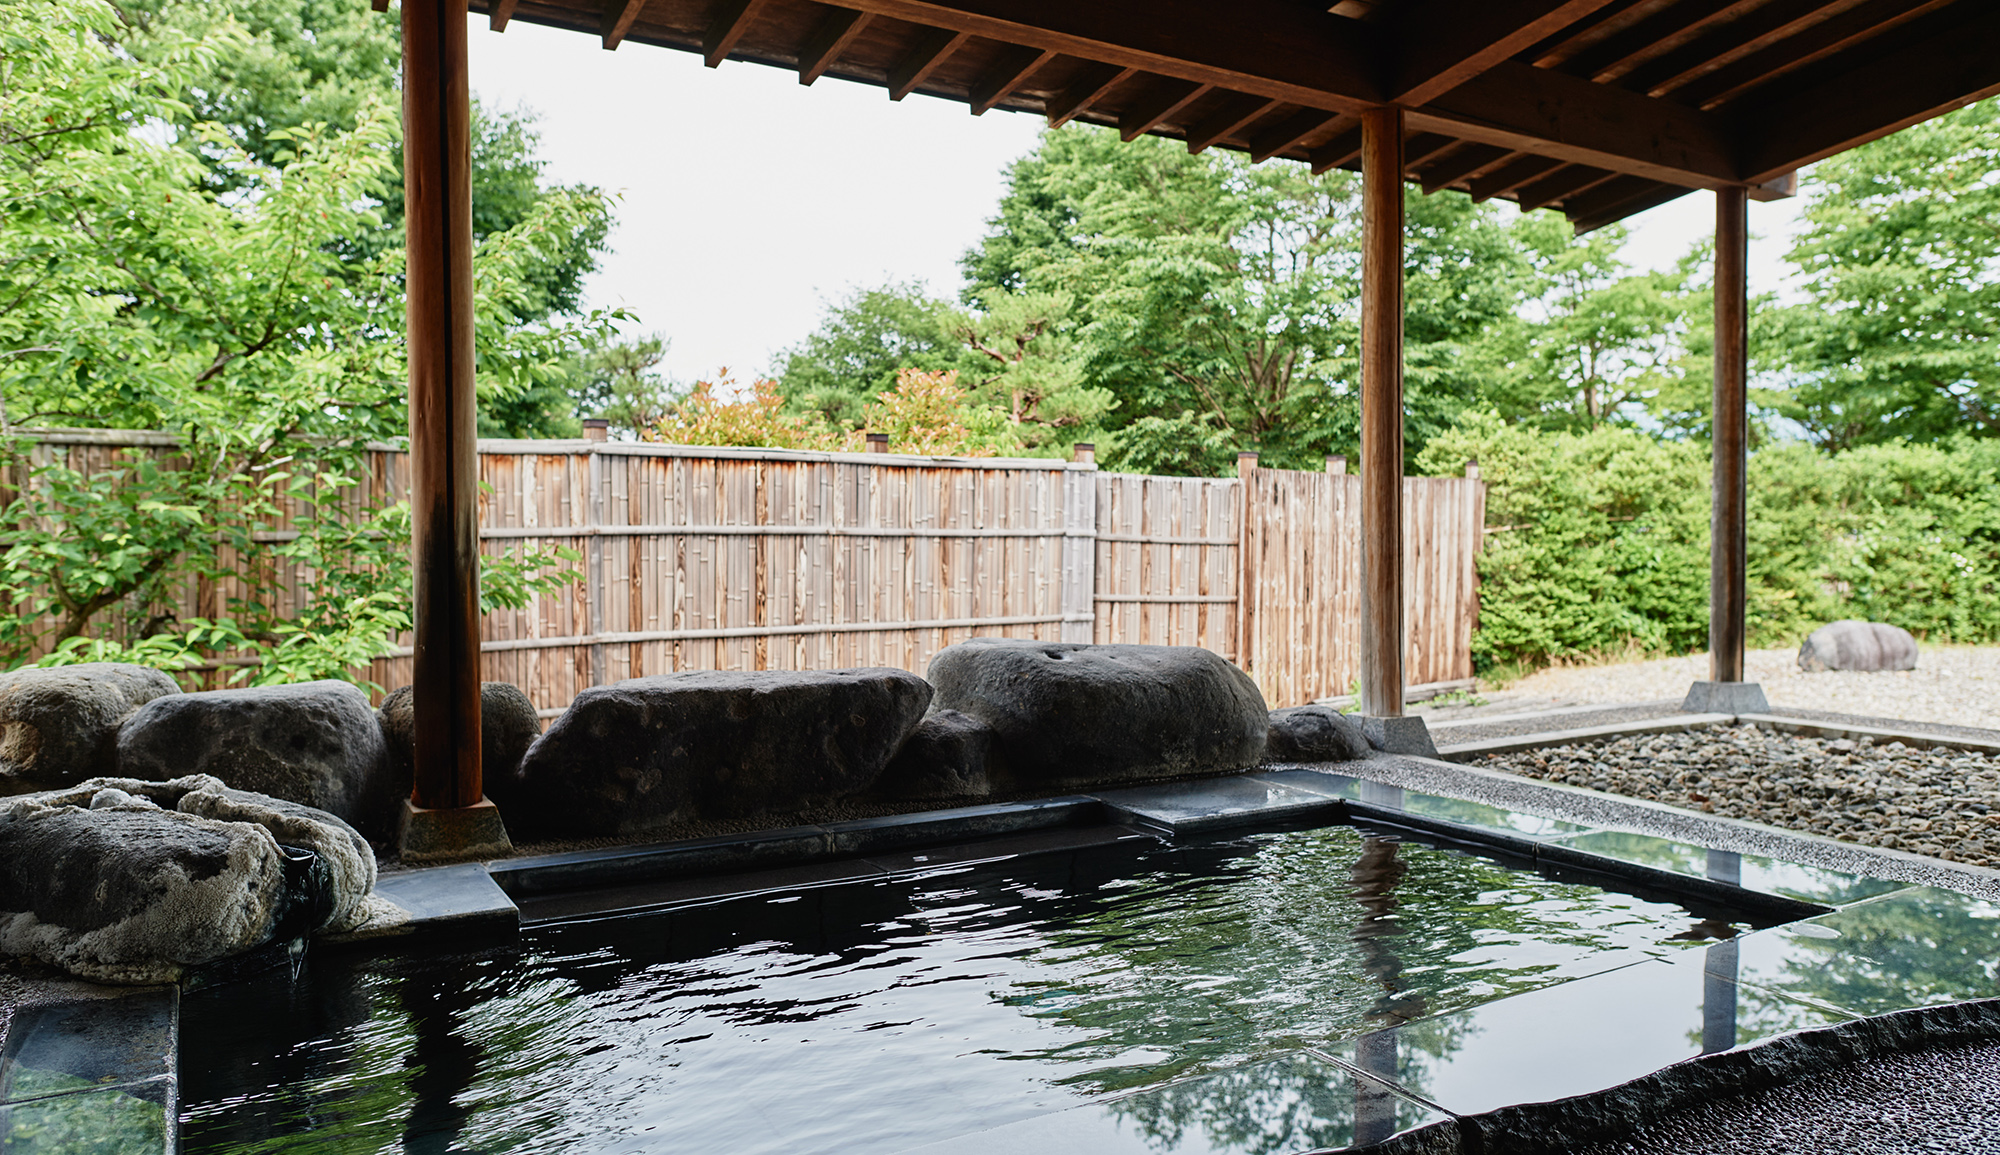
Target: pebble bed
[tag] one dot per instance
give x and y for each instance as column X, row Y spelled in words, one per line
column 1941, row 803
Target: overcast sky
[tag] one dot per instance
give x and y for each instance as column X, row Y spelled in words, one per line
column 748, row 200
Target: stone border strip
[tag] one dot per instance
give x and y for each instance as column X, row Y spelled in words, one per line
column 1913, row 739
column 1672, row 723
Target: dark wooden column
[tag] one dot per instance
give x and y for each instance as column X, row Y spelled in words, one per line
column 1382, row 412
column 1728, row 546
column 437, row 184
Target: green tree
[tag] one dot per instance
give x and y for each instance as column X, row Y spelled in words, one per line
column 1900, row 335
column 138, row 291
column 861, row 343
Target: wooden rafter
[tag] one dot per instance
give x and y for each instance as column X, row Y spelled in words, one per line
column 1234, row 112
column 726, row 29
column 1756, row 30
column 618, row 18
column 1665, row 29
column 932, row 48
column 1512, row 175
column 829, row 40
column 1000, row 81
column 1953, row 64
column 1090, row 86
column 1163, row 100
column 1290, row 132
column 1827, row 38
column 1563, row 182
column 1423, row 147
column 1344, row 148
column 1461, row 164
column 496, row 17
column 1444, row 43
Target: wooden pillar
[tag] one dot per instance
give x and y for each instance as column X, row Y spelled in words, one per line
column 1728, row 577
column 437, row 200
column 1382, row 412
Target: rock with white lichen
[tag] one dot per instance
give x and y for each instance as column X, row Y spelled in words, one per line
column 60, row 725
column 126, row 881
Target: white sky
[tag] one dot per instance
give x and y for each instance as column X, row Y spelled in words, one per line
column 748, row 201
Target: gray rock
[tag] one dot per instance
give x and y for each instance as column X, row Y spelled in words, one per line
column 945, row 757
column 507, row 727
column 1065, row 714
column 60, row 725
column 1862, row 646
column 648, row 752
column 1314, row 734
column 126, row 881
column 315, row 743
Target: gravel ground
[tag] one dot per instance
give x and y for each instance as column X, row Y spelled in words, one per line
column 1941, row 803
column 1952, row 684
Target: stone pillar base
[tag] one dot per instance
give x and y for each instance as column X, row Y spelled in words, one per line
column 1726, row 698
column 1405, row 735
column 426, row 837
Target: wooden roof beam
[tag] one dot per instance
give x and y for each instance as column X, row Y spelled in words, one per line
column 1952, row 65
column 1000, row 81
column 1089, row 87
column 1299, row 55
column 1511, row 176
column 1564, row 182
column 1290, row 132
column 1423, row 146
column 829, row 40
column 1461, row 164
column 1165, row 99
column 1823, row 39
column 497, row 16
column 618, row 18
column 1444, row 43
column 933, row 47
column 1223, row 122
column 726, row 29
column 1344, row 148
column 1522, row 108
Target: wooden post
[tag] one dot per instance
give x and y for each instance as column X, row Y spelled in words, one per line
column 1728, row 545
column 1382, row 412
column 878, row 442
column 444, row 462
column 1336, row 464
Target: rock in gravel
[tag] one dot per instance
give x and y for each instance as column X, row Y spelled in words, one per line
column 1866, row 647
column 945, row 757
column 125, row 881
column 60, row 725
column 507, row 727
column 1314, row 734
column 712, row 744
column 1066, row 714
column 315, row 743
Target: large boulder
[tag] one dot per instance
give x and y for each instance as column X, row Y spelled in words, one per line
column 1314, row 734
column 1863, row 646
column 60, row 725
column 946, row 756
column 649, row 752
column 315, row 743
column 121, row 880
column 1070, row 715
column 507, row 727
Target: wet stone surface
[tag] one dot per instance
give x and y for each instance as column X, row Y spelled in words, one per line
column 1935, row 1101
column 1941, row 803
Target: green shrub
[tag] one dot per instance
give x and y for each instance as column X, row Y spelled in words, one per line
column 1598, row 542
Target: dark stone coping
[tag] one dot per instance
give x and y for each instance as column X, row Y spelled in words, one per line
column 576, row 870
column 1674, row 723
column 1606, row 1116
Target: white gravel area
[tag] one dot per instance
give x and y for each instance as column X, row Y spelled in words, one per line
column 1942, row 803
column 1955, row 685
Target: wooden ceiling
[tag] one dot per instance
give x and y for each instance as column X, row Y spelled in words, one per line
column 1599, row 108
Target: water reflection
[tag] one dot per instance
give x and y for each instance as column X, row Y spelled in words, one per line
column 871, row 1018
